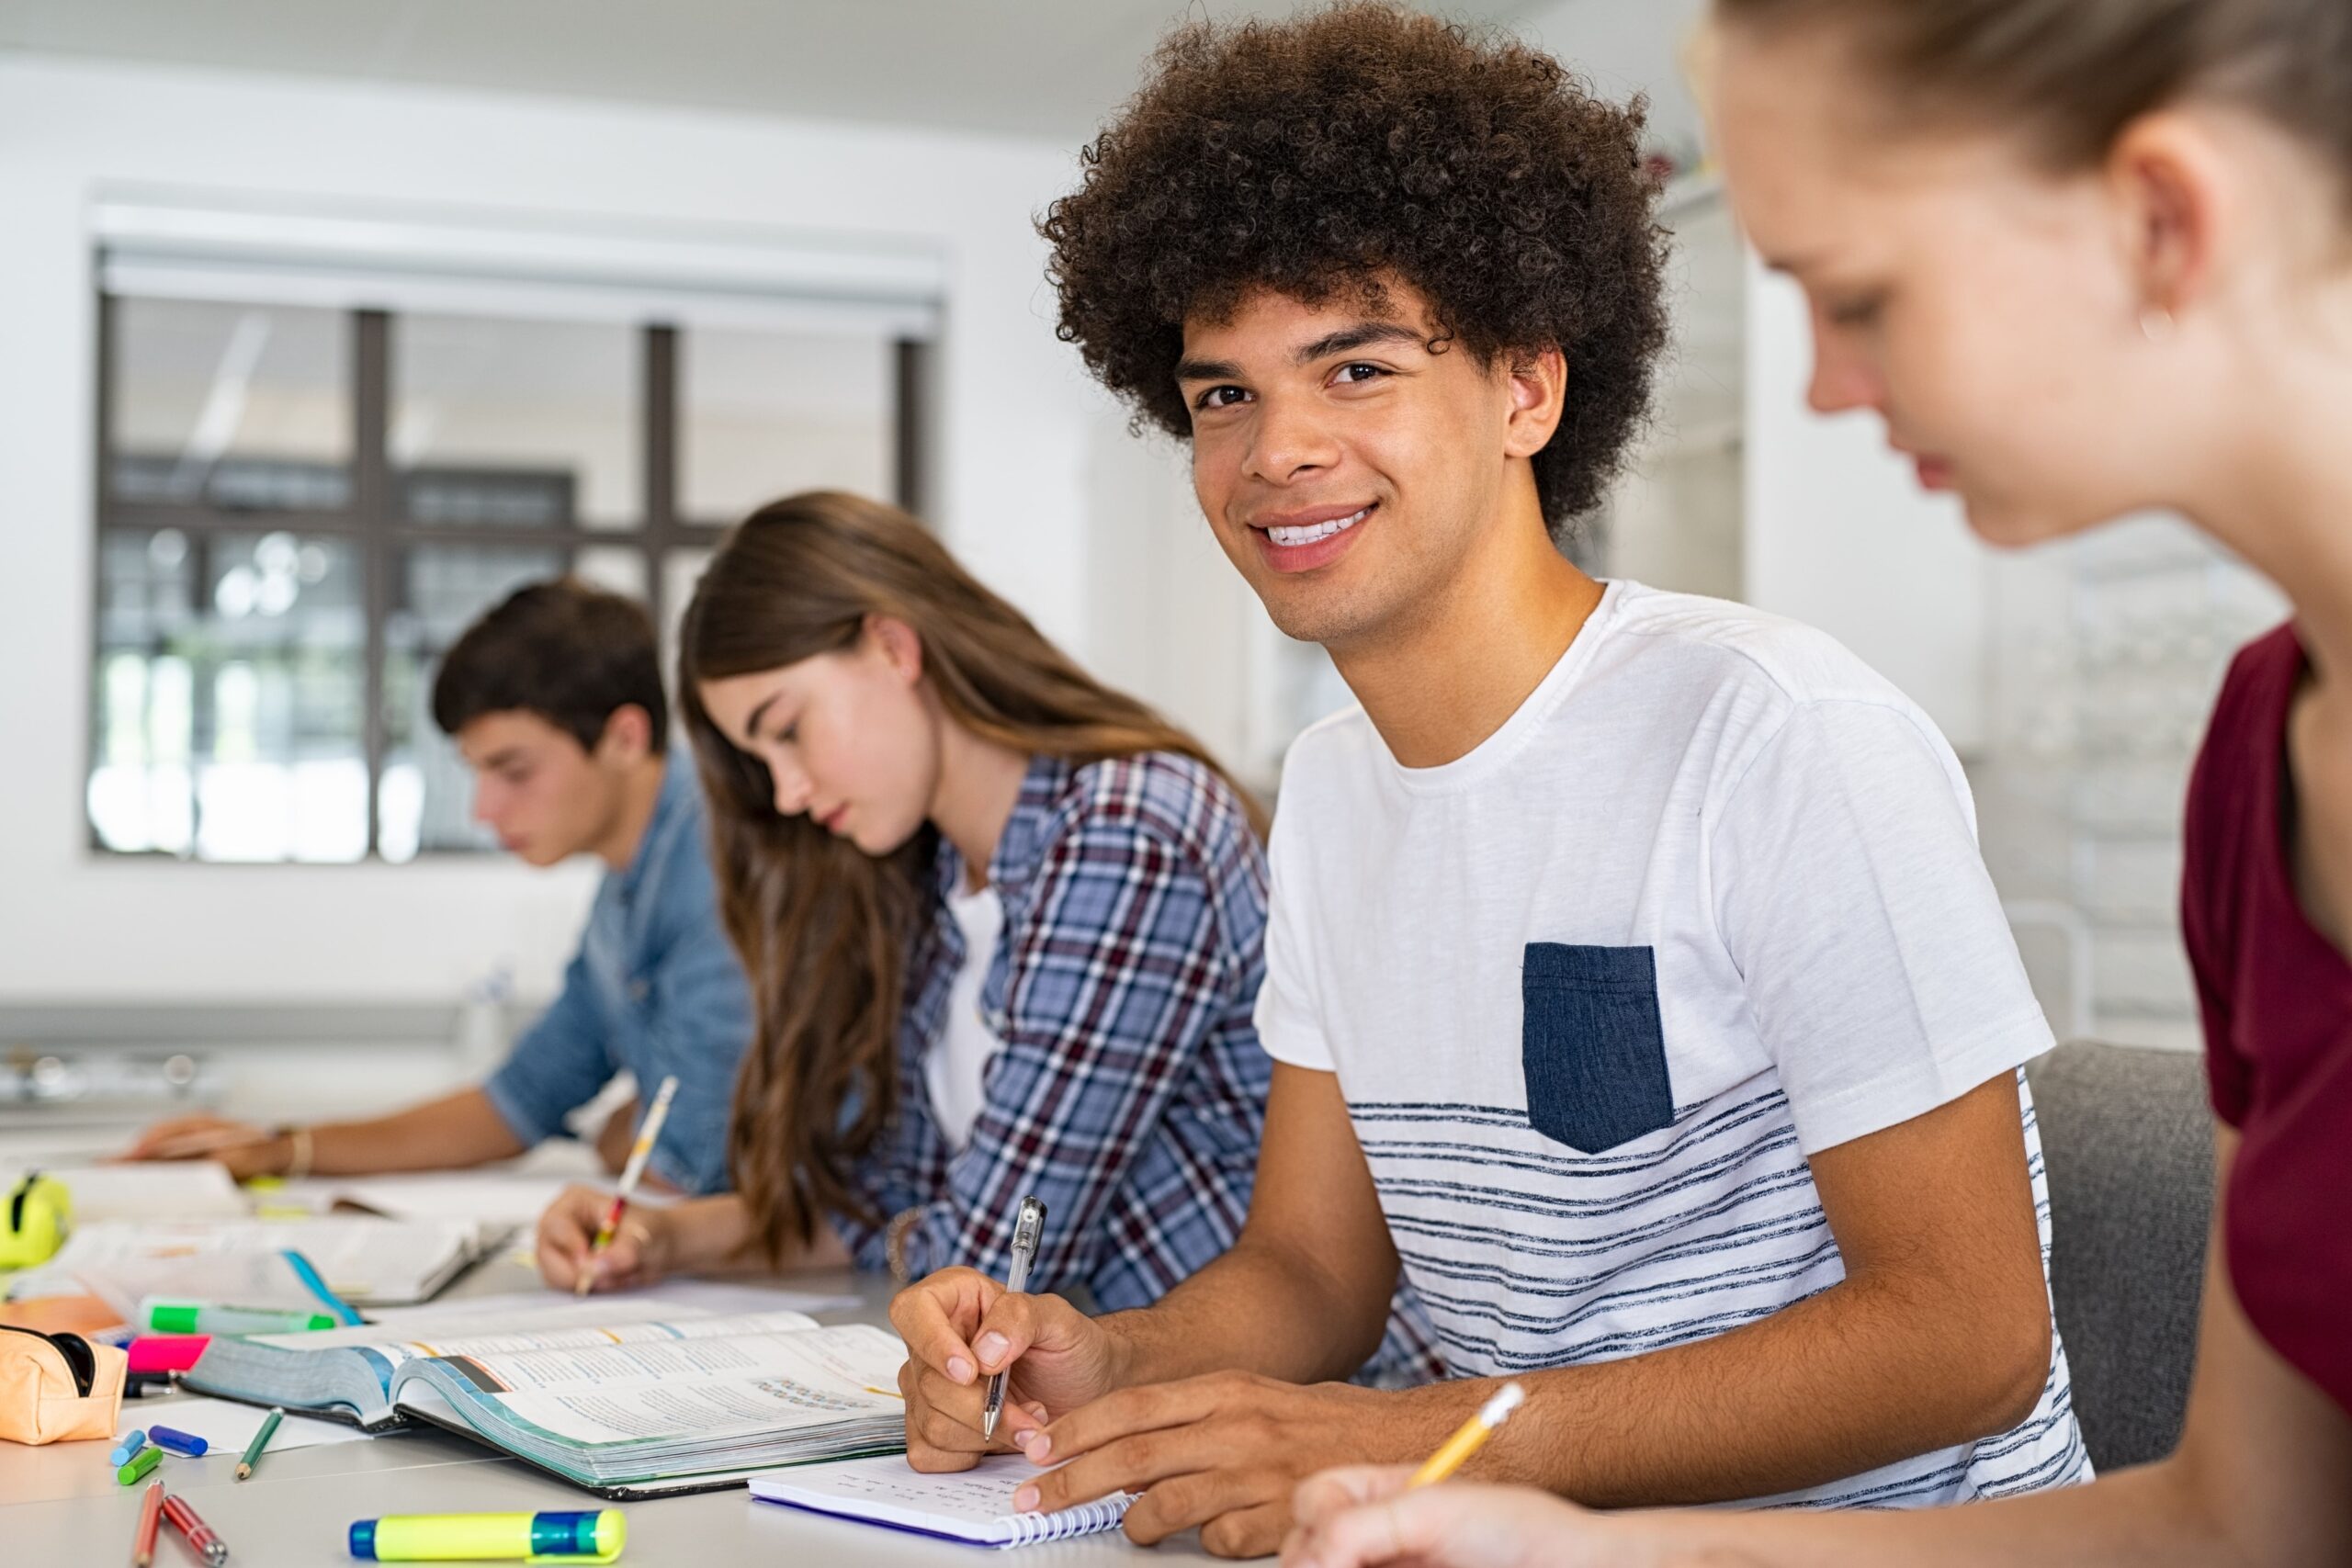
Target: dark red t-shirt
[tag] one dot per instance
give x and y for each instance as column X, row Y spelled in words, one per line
column 2278, row 1003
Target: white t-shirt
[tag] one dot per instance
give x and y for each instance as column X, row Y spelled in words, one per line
column 1708, row 901
column 954, row 1068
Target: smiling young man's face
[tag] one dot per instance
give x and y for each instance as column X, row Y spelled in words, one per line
column 1348, row 470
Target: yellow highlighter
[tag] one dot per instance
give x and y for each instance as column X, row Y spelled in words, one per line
column 588, row 1535
column 1470, row 1437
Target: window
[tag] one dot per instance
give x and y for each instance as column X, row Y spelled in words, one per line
column 301, row 507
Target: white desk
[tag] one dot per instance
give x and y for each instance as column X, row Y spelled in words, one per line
column 61, row 1506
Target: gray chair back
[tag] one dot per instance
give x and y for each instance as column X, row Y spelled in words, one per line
column 2127, row 1141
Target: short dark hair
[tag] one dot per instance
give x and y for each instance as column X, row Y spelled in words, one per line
column 1321, row 154
column 568, row 652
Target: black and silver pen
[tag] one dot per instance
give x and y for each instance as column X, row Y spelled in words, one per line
column 1032, row 1220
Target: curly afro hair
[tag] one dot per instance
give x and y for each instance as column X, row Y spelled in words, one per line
column 1361, row 142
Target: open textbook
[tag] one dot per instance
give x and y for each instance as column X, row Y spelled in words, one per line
column 495, row 1197
column 365, row 1261
column 975, row 1505
column 617, row 1400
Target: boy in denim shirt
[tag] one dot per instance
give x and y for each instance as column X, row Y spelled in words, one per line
column 555, row 701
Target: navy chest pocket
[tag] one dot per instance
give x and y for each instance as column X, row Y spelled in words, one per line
column 1591, row 1045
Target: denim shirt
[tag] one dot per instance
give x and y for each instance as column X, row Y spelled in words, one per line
column 654, row 989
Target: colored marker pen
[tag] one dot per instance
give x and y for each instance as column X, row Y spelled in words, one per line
column 168, row 1316
column 201, row 1540
column 153, row 1353
column 585, row 1536
column 128, row 1448
column 187, row 1445
column 141, row 1463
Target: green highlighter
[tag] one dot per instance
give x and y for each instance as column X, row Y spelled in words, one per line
column 165, row 1316
column 594, row 1535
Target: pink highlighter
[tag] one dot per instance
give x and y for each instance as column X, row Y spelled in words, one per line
column 157, row 1354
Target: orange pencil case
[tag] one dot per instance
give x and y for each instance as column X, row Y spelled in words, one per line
column 56, row 1387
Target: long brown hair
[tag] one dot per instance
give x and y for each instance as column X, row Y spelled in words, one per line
column 823, row 929
column 2072, row 74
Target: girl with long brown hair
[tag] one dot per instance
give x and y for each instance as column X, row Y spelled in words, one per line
column 1003, row 924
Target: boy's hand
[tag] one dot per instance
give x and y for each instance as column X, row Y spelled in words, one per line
column 1226, row 1452
column 960, row 1325
column 245, row 1149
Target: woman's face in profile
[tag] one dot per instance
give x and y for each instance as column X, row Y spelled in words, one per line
column 1984, row 309
column 847, row 738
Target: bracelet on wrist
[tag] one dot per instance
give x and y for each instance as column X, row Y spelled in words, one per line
column 299, row 1152
column 894, row 1242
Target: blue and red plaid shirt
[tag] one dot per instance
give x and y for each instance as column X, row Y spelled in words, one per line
column 1130, row 1093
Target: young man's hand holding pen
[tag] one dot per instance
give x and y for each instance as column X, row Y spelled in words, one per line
column 963, row 1327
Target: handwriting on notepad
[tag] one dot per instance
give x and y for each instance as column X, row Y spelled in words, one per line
column 981, row 1497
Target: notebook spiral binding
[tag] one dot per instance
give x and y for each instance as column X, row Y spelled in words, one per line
column 1087, row 1518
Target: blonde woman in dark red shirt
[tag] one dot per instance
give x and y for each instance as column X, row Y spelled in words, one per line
column 2086, row 257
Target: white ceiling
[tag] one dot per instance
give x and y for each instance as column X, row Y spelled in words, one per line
column 1047, row 68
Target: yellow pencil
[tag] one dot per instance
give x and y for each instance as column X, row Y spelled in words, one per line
column 647, row 1132
column 1470, row 1437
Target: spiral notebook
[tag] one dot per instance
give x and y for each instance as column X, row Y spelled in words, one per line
column 975, row 1507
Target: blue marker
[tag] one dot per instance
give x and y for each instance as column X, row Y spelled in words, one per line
column 127, row 1450
column 187, row 1445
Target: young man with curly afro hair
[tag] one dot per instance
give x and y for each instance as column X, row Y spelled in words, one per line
column 1634, row 987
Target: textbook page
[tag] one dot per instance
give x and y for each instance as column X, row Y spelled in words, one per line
column 701, row 1386
column 359, row 1260
column 531, row 1324
column 669, row 1298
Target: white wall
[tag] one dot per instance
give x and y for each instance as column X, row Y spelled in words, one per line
column 1624, row 46
column 1840, row 534
column 1009, row 482
column 1836, row 533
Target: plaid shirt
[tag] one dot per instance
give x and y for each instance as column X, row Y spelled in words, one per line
column 1129, row 1094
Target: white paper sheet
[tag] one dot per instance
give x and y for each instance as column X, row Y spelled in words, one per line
column 519, row 1309
column 726, row 1297
column 979, row 1496
column 715, row 1298
column 191, row 1189
column 975, row 1505
column 499, row 1198
column 228, row 1427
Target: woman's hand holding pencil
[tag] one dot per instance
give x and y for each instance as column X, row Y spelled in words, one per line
column 1374, row 1515
column 641, row 1252
column 1367, row 1516
column 587, row 1239
column 647, row 1133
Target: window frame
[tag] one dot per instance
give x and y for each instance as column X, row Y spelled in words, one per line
column 373, row 524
